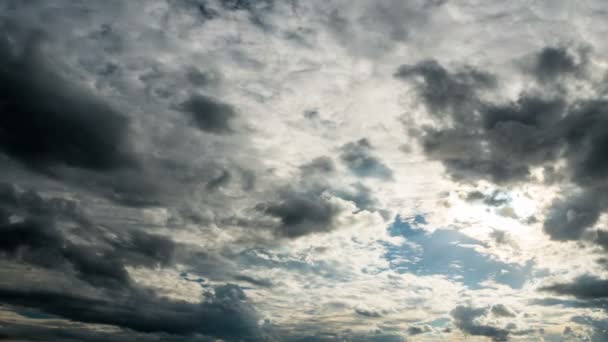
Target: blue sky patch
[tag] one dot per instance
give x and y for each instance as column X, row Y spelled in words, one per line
column 450, row 253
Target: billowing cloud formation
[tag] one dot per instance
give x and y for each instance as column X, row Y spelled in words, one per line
column 259, row 170
column 100, row 263
column 222, row 312
column 480, row 139
column 46, row 121
column 447, row 92
column 466, row 320
column 301, row 213
column 555, row 62
column 586, row 287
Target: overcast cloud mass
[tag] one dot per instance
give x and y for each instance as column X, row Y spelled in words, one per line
column 265, row 170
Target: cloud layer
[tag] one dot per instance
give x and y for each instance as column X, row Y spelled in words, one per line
column 257, row 170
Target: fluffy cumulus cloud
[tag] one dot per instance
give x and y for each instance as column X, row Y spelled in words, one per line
column 258, row 170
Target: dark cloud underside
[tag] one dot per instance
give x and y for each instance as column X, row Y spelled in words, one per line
column 466, row 320
column 209, row 114
column 301, row 213
column 46, row 121
column 502, row 141
column 585, row 287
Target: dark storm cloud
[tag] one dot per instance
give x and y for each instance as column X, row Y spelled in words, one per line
column 59, row 128
column 583, row 287
column 139, row 248
column 500, row 144
column 301, row 213
column 209, row 114
column 46, row 121
column 571, row 303
column 465, row 318
column 479, row 140
column 501, row 141
column 43, row 237
column 40, row 238
column 553, row 62
column 443, row 90
column 309, row 206
column 54, row 233
column 35, row 243
column 69, row 332
column 223, row 313
column 602, row 239
column 358, row 157
column 30, row 202
column 568, row 219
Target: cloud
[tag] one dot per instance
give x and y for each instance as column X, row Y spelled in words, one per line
column 358, row 157
column 48, row 121
column 321, row 164
column 415, row 330
column 584, row 287
column 367, row 313
column 302, row 213
column 602, row 239
column 444, row 91
column 39, row 238
column 502, row 141
column 501, row 310
column 466, row 319
column 540, row 124
column 193, row 170
column 553, row 62
column 496, row 199
column 222, row 313
column 70, row 332
column 359, row 194
column 369, row 31
column 599, row 327
column 209, row 114
column 223, row 178
column 568, row 219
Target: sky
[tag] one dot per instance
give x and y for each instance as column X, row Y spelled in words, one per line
column 303, row 171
